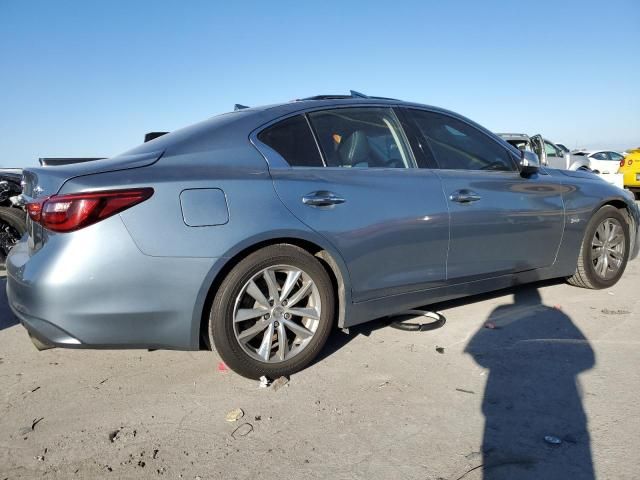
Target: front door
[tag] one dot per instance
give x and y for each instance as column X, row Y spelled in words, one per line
column 350, row 176
column 500, row 222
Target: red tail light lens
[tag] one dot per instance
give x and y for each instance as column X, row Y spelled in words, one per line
column 66, row 213
column 622, row 162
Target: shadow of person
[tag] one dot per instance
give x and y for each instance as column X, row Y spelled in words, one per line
column 533, row 357
column 7, row 318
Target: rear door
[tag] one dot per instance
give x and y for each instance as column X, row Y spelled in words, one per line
column 349, row 175
column 500, row 222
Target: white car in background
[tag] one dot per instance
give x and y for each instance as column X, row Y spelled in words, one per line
column 602, row 161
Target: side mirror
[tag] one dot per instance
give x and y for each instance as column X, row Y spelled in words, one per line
column 529, row 163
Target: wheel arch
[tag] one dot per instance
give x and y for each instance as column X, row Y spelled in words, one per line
column 626, row 210
column 324, row 252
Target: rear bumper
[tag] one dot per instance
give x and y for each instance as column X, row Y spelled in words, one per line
column 94, row 289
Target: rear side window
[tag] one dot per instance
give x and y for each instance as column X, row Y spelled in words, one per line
column 293, row 140
column 459, row 146
column 368, row 137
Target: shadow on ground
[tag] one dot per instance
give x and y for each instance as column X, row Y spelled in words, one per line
column 533, row 354
column 7, row 318
column 532, row 397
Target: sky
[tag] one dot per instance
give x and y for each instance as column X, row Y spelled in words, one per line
column 90, row 78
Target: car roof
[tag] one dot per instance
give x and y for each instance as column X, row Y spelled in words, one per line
column 248, row 119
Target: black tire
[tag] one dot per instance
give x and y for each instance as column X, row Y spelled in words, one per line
column 586, row 275
column 221, row 328
column 13, row 225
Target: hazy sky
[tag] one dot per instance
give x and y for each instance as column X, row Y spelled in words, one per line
column 89, row 78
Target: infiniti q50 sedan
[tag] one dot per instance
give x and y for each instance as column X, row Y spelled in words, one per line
column 257, row 232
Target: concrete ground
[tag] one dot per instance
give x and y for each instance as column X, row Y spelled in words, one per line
column 475, row 397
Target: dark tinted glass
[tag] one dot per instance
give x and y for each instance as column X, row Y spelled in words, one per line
column 361, row 138
column 459, row 146
column 601, row 156
column 293, row 140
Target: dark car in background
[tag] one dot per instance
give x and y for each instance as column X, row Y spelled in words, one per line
column 259, row 231
column 12, row 218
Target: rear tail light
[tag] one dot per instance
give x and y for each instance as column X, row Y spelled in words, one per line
column 622, row 162
column 66, row 213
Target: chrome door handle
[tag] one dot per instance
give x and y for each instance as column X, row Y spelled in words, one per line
column 464, row 196
column 322, row 199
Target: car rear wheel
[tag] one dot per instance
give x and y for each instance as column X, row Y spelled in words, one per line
column 273, row 312
column 604, row 252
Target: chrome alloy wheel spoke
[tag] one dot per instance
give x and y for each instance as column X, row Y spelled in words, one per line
column 608, row 248
column 277, row 313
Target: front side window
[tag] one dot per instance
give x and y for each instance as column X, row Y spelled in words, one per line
column 551, row 150
column 360, row 138
column 293, row 140
column 459, row 146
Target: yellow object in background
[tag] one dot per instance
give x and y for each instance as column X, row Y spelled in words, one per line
column 630, row 169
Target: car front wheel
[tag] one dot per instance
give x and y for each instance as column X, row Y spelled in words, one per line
column 273, row 312
column 604, row 251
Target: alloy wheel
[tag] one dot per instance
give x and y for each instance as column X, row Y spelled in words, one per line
column 608, row 248
column 276, row 313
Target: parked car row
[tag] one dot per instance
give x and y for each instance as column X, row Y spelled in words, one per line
column 259, row 231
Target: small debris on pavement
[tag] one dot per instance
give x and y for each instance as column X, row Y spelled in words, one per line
column 35, row 422
column 279, row 383
column 490, row 325
column 610, row 293
column 234, row 415
column 264, row 382
column 558, row 307
column 33, row 390
column 552, row 440
column 155, row 453
column 439, row 349
column 222, row 367
column 384, row 384
column 465, row 391
column 606, row 311
column 257, row 418
column 242, row 431
column 122, row 434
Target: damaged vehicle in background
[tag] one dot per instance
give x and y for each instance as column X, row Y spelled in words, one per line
column 12, row 218
column 548, row 152
column 258, row 232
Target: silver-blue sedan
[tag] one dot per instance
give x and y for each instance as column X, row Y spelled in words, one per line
column 259, row 231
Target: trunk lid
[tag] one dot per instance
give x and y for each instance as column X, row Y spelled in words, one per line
column 41, row 181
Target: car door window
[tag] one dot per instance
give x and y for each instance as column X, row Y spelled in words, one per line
column 551, row 150
column 615, row 156
column 293, row 140
column 363, row 137
column 459, row 146
column 600, row 156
